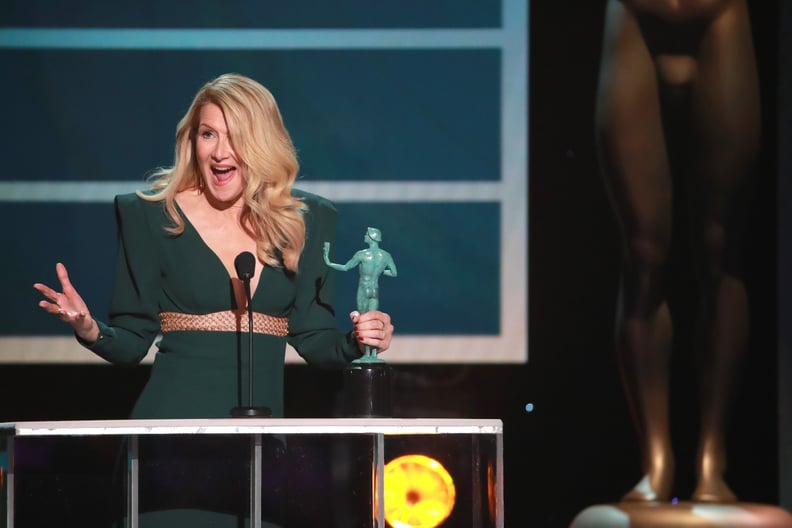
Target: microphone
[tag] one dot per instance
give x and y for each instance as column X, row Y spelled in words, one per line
column 245, row 264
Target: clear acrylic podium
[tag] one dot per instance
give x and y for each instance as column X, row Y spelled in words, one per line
column 321, row 472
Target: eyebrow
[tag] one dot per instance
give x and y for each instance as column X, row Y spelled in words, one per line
column 210, row 127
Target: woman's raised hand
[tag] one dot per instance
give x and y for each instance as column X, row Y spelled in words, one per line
column 68, row 306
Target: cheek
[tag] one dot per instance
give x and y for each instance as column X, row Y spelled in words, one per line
column 201, row 161
column 202, row 152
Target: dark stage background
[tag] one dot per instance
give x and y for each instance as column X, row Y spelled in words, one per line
column 577, row 446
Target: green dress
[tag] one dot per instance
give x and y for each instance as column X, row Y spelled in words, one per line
column 203, row 374
column 196, row 373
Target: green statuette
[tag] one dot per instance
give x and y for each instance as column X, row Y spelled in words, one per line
column 372, row 262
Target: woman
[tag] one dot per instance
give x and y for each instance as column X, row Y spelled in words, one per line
column 678, row 108
column 229, row 191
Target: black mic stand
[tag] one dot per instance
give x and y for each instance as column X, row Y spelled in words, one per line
column 248, row 268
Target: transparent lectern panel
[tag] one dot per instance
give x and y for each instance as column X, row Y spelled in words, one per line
column 454, row 477
column 305, row 480
column 288, row 473
column 187, row 479
column 330, row 481
column 68, row 481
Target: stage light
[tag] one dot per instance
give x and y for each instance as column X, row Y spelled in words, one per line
column 419, row 492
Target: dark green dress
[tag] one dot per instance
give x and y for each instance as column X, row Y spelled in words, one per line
column 203, row 374
column 196, row 373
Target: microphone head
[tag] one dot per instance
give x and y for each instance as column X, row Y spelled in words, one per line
column 245, row 264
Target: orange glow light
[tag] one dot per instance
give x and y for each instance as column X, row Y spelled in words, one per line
column 419, row 492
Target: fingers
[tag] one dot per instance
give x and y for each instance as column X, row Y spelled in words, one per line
column 63, row 277
column 65, row 314
column 67, row 305
column 46, row 291
column 71, row 317
column 54, row 306
column 373, row 328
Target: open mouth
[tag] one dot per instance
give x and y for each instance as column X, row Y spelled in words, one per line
column 223, row 175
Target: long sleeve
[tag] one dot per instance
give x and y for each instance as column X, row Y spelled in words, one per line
column 134, row 321
column 312, row 325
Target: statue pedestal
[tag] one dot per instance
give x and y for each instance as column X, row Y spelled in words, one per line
column 682, row 515
column 367, row 391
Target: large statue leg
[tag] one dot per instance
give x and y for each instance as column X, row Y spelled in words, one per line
column 727, row 119
column 634, row 159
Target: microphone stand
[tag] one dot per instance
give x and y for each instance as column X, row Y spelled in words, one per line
column 250, row 411
column 245, row 264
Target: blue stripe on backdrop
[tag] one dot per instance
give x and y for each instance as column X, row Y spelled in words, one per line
column 253, row 13
column 354, row 114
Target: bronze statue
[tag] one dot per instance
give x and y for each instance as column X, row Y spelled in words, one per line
column 678, row 105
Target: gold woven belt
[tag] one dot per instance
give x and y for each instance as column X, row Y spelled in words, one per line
column 227, row 321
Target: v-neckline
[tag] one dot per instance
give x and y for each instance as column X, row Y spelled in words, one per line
column 217, row 259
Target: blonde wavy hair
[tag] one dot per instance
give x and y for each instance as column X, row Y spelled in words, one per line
column 265, row 151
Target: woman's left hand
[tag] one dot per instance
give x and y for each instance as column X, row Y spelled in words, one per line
column 372, row 328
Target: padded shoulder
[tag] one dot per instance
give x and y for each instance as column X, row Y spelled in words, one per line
column 130, row 201
column 126, row 200
column 314, row 201
column 132, row 206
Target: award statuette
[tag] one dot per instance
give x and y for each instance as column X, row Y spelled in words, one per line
column 367, row 380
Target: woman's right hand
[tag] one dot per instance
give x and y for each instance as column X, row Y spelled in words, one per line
column 68, row 306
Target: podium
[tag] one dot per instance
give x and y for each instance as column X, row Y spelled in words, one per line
column 328, row 472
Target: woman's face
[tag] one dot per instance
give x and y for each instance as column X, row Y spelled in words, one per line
column 220, row 169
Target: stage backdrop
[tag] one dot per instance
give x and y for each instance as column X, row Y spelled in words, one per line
column 410, row 115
